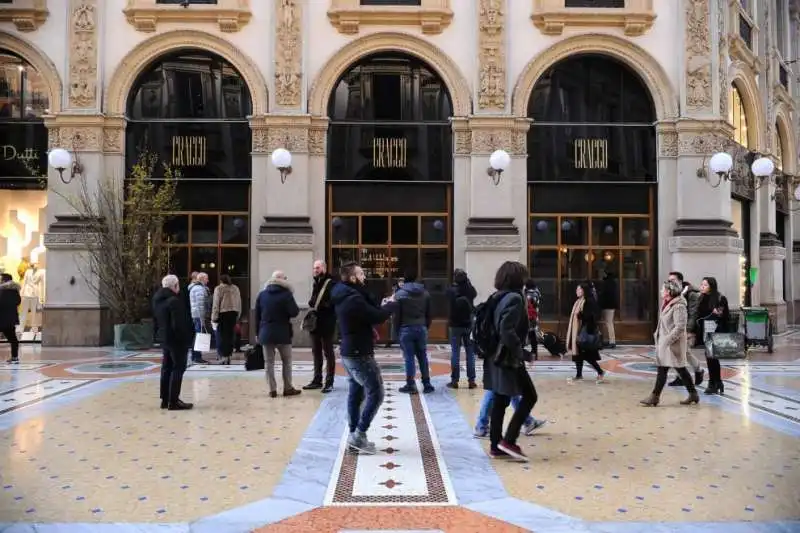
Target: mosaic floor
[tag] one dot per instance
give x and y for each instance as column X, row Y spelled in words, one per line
column 87, row 449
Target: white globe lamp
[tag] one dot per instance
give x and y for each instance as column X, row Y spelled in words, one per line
column 61, row 160
column 720, row 163
column 498, row 163
column 762, row 167
column 282, row 160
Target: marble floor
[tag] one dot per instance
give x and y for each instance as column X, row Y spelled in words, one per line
column 88, row 450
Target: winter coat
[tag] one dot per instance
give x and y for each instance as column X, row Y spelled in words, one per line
column 9, row 304
column 705, row 308
column 172, row 320
column 227, row 298
column 670, row 335
column 461, row 299
column 413, row 305
column 357, row 314
column 275, row 309
column 609, row 294
column 584, row 314
column 692, row 296
column 511, row 323
column 199, row 300
column 326, row 314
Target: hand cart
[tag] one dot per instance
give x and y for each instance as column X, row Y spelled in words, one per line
column 757, row 327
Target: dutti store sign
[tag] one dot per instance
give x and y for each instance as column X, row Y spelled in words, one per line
column 23, row 153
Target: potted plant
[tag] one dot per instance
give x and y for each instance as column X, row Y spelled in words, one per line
column 127, row 255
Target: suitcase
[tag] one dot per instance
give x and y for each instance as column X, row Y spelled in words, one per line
column 254, row 358
column 553, row 344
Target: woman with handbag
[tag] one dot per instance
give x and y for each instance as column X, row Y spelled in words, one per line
column 583, row 335
column 670, row 337
column 714, row 316
column 225, row 312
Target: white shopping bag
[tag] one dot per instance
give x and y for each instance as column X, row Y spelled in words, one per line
column 202, row 342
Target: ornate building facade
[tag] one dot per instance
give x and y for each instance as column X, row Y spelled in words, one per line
column 609, row 111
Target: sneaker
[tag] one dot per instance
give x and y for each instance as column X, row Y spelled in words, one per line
column 409, row 388
column 291, row 392
column 498, row 454
column 358, row 441
column 428, row 388
column 528, row 429
column 481, row 433
column 452, row 385
column 601, row 378
column 576, row 378
column 12, row 361
column 313, row 386
column 327, row 388
column 472, row 385
column 180, row 406
column 513, row 451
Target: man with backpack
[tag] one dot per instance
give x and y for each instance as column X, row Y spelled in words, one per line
column 461, row 296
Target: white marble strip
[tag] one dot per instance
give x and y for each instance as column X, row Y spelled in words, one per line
column 29, row 395
column 753, row 398
column 5, row 367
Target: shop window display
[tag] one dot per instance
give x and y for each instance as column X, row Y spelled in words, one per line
column 22, row 253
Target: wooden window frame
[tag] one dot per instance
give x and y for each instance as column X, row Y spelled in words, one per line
column 551, row 17
column 26, row 15
column 431, row 16
column 230, row 15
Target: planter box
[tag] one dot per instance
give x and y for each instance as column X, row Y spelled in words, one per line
column 133, row 336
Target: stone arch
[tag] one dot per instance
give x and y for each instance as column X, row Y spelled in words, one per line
column 144, row 53
column 41, row 63
column 653, row 75
column 787, row 137
column 440, row 62
column 745, row 81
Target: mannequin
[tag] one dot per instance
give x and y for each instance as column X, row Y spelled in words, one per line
column 32, row 294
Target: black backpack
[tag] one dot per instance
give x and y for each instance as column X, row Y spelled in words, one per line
column 483, row 332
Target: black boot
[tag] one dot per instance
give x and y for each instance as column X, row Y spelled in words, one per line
column 687, row 378
column 698, row 377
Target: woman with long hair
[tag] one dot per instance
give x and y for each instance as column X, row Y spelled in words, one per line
column 670, row 339
column 713, row 307
column 505, row 374
column 225, row 312
column 583, row 320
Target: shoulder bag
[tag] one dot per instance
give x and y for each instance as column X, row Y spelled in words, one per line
column 310, row 320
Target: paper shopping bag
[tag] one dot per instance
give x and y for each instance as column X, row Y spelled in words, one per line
column 202, row 342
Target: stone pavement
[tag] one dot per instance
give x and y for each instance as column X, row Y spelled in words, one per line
column 88, row 450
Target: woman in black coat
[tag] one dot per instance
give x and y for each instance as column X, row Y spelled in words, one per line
column 9, row 317
column 505, row 374
column 584, row 316
column 713, row 306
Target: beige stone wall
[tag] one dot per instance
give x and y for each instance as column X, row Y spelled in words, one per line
column 490, row 53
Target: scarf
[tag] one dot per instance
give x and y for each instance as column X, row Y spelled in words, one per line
column 574, row 325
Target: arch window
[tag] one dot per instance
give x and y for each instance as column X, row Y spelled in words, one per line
column 737, row 116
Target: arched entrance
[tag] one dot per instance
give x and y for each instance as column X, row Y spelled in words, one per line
column 24, row 99
column 389, row 175
column 592, row 169
column 190, row 108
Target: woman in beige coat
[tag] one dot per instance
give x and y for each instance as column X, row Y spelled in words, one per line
column 225, row 313
column 670, row 340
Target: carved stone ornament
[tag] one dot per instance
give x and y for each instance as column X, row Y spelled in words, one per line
column 706, row 244
column 698, row 54
column 294, row 139
column 229, row 15
column 79, row 139
column 723, row 61
column 112, row 140
column 259, row 136
column 317, row 139
column 477, row 243
column 26, row 15
column 486, row 141
column 668, row 144
column 699, row 144
column 463, row 142
column 492, row 55
column 288, row 53
column 83, row 54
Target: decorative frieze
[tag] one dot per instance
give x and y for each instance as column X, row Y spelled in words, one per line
column 668, row 144
column 494, row 133
column 491, row 55
column 710, row 244
column 80, row 133
column 284, row 241
column 288, row 53
column 698, row 54
column 292, row 132
column 773, row 253
column 493, row 243
column 82, row 90
column 723, row 59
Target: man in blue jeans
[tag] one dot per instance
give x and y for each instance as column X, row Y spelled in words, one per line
column 461, row 297
column 357, row 315
column 413, row 314
column 482, row 425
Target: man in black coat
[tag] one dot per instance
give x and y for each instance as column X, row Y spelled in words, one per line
column 9, row 315
column 275, row 309
column 324, row 328
column 175, row 324
column 461, row 297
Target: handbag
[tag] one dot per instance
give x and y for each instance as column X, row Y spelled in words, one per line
column 254, row 358
column 202, row 341
column 588, row 341
column 310, row 320
column 726, row 346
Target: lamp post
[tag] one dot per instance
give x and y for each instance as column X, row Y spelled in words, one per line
column 721, row 164
column 61, row 160
column 282, row 160
column 498, row 163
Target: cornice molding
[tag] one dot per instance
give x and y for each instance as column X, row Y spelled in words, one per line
column 551, row 17
column 27, row 15
column 229, row 15
column 431, row 16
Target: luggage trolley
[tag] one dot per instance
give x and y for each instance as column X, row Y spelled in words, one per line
column 757, row 327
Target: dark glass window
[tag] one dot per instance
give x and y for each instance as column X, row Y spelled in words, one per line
column 191, row 84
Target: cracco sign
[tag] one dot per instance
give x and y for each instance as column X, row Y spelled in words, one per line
column 389, row 152
column 189, row 151
column 591, row 153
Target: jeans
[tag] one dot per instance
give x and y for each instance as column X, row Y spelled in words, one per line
column 173, row 365
column 500, row 403
column 413, row 342
column 366, row 392
column 460, row 337
column 486, row 409
column 198, row 327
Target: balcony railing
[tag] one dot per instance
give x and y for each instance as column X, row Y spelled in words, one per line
column 746, row 31
column 783, row 76
column 594, row 3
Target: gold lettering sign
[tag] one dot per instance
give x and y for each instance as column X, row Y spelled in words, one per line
column 189, row 151
column 378, row 264
column 389, row 152
column 591, row 153
column 11, row 152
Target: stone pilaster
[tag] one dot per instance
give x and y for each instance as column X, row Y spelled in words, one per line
column 288, row 53
column 770, row 278
column 489, row 242
column 84, row 71
column 491, row 56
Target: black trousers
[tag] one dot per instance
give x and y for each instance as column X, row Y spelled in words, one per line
column 661, row 380
column 173, row 365
column 323, row 345
column 11, row 336
column 714, row 371
column 226, row 333
column 500, row 404
column 579, row 367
